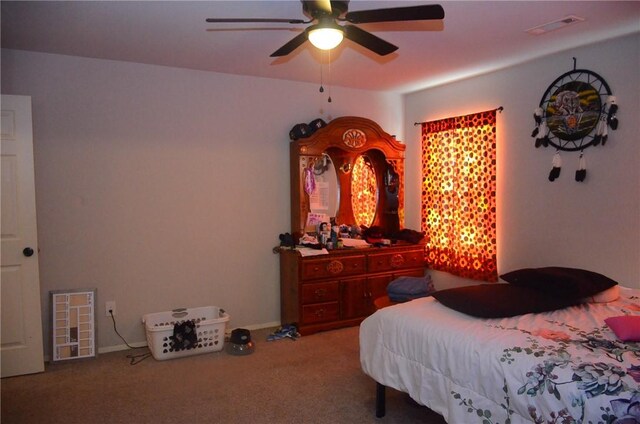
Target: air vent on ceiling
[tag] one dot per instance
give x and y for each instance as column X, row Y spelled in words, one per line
column 554, row 25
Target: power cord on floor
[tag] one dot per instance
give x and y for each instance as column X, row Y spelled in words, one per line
column 135, row 359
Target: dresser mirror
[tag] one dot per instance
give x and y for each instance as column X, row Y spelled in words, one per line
column 350, row 170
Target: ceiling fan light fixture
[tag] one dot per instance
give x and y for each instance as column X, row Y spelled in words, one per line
column 325, row 36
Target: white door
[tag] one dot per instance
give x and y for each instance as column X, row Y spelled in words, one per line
column 21, row 334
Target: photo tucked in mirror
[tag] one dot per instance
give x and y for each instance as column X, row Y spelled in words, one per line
column 364, row 191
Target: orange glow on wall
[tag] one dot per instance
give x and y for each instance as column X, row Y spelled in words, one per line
column 459, row 195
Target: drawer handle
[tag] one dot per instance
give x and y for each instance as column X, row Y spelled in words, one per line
column 319, row 313
column 320, row 293
column 397, row 260
column 316, row 268
column 335, row 267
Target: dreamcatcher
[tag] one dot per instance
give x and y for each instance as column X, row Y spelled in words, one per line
column 574, row 113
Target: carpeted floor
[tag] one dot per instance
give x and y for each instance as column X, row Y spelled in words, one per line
column 316, row 379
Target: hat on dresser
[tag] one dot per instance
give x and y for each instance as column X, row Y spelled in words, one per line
column 299, row 131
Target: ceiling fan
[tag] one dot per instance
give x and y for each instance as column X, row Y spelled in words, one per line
column 325, row 15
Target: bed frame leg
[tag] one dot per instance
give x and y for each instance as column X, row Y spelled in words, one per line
column 380, row 400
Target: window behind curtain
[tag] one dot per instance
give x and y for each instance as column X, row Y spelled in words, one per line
column 459, row 195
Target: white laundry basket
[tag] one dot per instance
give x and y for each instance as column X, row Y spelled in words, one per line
column 210, row 323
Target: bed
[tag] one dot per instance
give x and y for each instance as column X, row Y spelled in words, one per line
column 565, row 365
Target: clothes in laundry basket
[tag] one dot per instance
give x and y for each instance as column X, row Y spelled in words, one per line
column 185, row 335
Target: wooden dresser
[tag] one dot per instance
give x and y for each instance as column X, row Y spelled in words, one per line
column 337, row 290
column 361, row 168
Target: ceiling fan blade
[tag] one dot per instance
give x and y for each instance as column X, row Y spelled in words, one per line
column 257, row 20
column 411, row 13
column 317, row 5
column 293, row 44
column 368, row 40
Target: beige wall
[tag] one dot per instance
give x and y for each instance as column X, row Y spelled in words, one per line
column 168, row 188
column 165, row 187
column 594, row 224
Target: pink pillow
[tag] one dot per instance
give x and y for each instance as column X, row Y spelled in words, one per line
column 626, row 327
column 605, row 296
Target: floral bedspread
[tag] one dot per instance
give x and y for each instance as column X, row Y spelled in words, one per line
column 564, row 366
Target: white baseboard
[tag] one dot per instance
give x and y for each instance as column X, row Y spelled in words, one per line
column 258, row 326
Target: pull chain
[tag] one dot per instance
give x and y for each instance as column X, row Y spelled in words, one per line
column 321, row 87
column 321, row 90
column 329, row 99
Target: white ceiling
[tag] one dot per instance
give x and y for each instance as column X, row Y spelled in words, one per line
column 475, row 37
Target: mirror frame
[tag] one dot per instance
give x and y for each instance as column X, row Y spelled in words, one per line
column 344, row 139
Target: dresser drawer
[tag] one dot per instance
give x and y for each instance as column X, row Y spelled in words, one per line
column 395, row 260
column 333, row 267
column 319, row 292
column 320, row 312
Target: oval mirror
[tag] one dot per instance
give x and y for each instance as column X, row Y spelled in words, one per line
column 364, row 191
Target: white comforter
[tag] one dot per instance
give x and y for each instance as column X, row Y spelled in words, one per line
column 563, row 366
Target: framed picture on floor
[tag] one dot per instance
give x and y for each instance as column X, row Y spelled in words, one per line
column 73, row 324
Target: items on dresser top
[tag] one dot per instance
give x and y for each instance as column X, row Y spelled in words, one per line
column 357, row 243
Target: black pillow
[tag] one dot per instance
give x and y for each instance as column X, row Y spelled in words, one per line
column 500, row 300
column 573, row 282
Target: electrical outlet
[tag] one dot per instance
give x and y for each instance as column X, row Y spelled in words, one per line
column 110, row 306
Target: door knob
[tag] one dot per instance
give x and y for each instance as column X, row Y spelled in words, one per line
column 27, row 251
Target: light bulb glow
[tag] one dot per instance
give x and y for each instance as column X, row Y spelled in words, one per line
column 326, row 38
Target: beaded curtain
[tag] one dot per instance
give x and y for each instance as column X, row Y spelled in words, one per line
column 459, row 195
